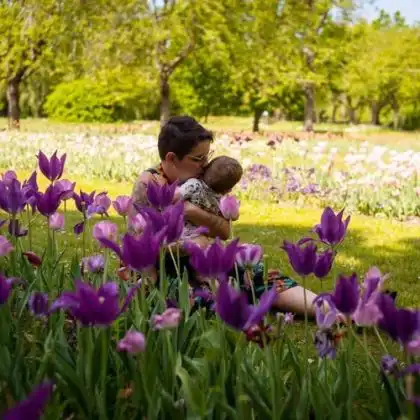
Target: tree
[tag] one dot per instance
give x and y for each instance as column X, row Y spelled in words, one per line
column 319, row 33
column 33, row 32
column 176, row 28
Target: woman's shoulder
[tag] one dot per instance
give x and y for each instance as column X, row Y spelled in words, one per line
column 151, row 174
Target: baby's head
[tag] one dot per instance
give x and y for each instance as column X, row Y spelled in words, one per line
column 222, row 174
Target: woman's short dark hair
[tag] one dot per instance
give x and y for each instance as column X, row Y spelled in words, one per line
column 180, row 135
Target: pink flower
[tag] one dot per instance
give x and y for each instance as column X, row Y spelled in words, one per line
column 249, row 255
column 56, row 221
column 229, row 206
column 288, row 318
column 122, row 205
column 137, row 223
column 66, row 187
column 413, row 346
column 5, row 246
column 168, row 319
column 105, row 229
column 133, row 342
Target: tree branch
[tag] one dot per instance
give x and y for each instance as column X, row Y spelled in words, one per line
column 181, row 56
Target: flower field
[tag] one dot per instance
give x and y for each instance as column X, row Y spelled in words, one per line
column 365, row 178
column 86, row 333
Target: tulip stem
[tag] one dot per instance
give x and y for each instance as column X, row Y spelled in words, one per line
column 162, row 275
column 104, row 367
column 305, row 354
column 29, row 227
column 105, row 273
column 380, row 340
column 178, row 273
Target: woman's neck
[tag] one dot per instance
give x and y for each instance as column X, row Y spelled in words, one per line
column 167, row 172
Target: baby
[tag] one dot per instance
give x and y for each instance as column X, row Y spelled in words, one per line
column 218, row 179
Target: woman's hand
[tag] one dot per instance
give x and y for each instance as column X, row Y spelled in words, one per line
column 217, row 226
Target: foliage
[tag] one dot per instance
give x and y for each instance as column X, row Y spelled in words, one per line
column 105, row 99
column 233, row 58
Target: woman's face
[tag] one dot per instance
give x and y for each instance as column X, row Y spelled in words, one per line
column 192, row 164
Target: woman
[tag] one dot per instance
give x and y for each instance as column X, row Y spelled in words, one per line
column 184, row 150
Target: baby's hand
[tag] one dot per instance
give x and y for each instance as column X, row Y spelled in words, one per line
column 177, row 195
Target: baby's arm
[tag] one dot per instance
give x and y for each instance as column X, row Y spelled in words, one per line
column 191, row 190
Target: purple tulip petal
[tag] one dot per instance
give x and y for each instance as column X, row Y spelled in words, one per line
column 44, row 165
column 33, row 406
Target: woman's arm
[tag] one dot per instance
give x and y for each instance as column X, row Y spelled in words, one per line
column 217, row 225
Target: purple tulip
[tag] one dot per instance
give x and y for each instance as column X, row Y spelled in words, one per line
column 346, row 294
column 249, row 255
column 215, row 261
column 83, row 201
column 94, row 263
column 389, row 364
column 137, row 223
column 325, row 312
column 229, row 207
column 38, row 304
column 137, row 252
column 12, row 197
column 8, row 177
column 100, row 205
column 56, row 221
column 160, row 196
column 400, row 324
column 367, row 312
column 5, row 246
column 133, row 342
column 33, row 406
column 15, row 229
column 105, row 230
column 94, row 307
column 5, row 288
column 233, row 308
column 170, row 318
column 51, row 168
column 332, row 229
column 301, row 258
column 325, row 345
column 172, row 219
column 49, row 202
column 66, row 187
column 323, row 263
column 79, row 228
column 122, row 205
column 30, row 189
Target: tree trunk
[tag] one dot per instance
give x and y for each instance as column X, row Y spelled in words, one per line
column 375, row 112
column 309, row 108
column 334, row 113
column 165, row 101
column 256, row 123
column 13, row 109
column 396, row 114
column 352, row 115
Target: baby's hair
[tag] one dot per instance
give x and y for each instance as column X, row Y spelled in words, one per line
column 222, row 174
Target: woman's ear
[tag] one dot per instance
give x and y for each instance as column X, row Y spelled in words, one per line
column 170, row 157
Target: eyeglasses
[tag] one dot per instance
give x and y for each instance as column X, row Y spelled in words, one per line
column 200, row 159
